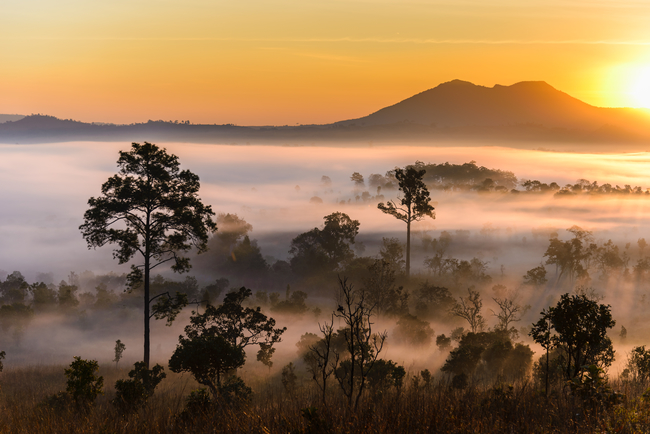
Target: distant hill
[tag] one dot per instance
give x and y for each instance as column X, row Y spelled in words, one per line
column 10, row 118
column 523, row 115
column 458, row 104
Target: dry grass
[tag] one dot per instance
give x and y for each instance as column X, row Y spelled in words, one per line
column 413, row 409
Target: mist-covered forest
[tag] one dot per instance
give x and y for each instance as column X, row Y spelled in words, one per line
column 471, row 334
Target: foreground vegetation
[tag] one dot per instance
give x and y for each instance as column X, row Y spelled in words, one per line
column 417, row 406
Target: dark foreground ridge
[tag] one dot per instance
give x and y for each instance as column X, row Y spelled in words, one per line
column 456, row 110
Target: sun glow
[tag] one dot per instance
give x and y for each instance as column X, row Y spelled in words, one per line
column 640, row 87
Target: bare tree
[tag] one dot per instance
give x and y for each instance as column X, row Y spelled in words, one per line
column 362, row 344
column 321, row 359
column 469, row 308
column 510, row 312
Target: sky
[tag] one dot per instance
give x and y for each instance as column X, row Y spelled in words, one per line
column 288, row 62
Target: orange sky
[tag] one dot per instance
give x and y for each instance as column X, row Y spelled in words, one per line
column 257, row 62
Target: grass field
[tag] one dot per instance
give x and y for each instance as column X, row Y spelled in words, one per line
column 416, row 407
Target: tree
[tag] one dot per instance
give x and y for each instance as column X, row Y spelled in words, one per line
column 639, row 363
column 536, row 276
column 413, row 206
column 14, row 289
column 83, row 384
column 132, row 394
column 488, row 355
column 580, row 326
column 319, row 355
column 215, row 340
column 572, row 257
column 469, row 308
column 152, row 208
column 357, row 178
column 510, row 312
column 326, row 249
column 414, row 331
column 392, row 251
column 362, row 345
column 119, row 350
column 382, row 292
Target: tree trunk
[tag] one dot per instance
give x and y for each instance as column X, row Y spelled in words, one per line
column 147, row 258
column 146, row 312
column 408, row 248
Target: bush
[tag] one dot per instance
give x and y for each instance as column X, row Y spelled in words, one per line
column 414, row 331
column 234, row 391
column 133, row 394
column 385, row 374
column 591, row 386
column 443, row 342
column 639, row 363
column 488, row 356
column 83, row 384
column 199, row 402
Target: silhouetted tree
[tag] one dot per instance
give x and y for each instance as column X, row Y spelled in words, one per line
column 382, row 291
column 489, row 355
column 536, row 277
column 326, row 249
column 433, row 301
column 246, row 259
column 215, row 340
column 357, row 178
column 14, row 289
column 572, row 257
column 580, row 326
column 133, row 393
column 362, row 345
column 414, row 331
column 443, row 342
column 43, row 296
column 119, row 350
column 469, row 308
column 510, row 311
column 321, row 355
column 152, row 208
column 392, row 251
column 463, row 176
column 413, row 206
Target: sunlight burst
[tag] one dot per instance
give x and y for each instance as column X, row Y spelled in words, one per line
column 640, row 87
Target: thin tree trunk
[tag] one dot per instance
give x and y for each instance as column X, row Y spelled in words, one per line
column 146, row 312
column 147, row 332
column 408, row 248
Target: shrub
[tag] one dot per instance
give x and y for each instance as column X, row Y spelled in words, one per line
column 133, row 394
column 83, row 384
column 414, row 331
column 235, row 391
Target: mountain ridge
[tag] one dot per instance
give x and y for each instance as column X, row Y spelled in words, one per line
column 528, row 111
column 459, row 103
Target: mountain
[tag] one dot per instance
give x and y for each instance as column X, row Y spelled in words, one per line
column 520, row 114
column 461, row 104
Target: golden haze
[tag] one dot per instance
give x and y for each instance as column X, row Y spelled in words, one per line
column 288, row 62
